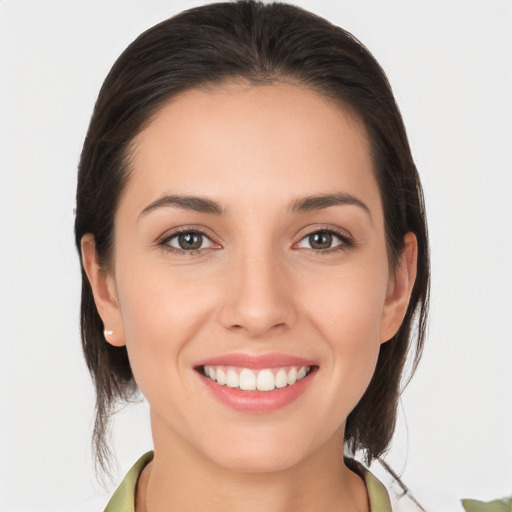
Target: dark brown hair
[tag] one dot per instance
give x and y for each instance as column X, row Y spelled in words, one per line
column 256, row 43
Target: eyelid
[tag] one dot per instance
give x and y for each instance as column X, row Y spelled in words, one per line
column 346, row 239
column 343, row 235
column 163, row 240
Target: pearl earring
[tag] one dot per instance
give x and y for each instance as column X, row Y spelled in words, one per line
column 107, row 333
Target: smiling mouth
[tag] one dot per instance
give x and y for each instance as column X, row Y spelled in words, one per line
column 247, row 379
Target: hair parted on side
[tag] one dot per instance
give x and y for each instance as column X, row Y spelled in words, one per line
column 259, row 44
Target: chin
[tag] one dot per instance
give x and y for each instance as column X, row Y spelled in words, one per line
column 261, row 453
column 260, row 462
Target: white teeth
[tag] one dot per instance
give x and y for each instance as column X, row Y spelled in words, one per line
column 281, row 379
column 292, row 376
column 221, row 377
column 232, row 379
column 251, row 380
column 266, row 381
column 247, row 380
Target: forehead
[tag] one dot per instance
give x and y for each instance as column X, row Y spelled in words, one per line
column 278, row 138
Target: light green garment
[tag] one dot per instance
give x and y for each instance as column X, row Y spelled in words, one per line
column 123, row 499
column 503, row 505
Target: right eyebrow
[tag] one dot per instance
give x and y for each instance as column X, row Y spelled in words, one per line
column 195, row 203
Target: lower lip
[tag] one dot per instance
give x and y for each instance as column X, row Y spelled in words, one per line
column 258, row 401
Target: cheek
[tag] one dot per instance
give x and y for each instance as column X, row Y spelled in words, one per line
column 161, row 313
column 347, row 305
column 346, row 310
column 166, row 303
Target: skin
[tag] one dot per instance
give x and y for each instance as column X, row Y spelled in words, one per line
column 257, row 287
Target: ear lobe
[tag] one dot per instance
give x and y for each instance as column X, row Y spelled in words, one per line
column 104, row 292
column 399, row 289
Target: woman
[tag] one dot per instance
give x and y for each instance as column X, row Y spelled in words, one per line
column 254, row 251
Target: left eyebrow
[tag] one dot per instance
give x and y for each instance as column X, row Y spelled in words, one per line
column 321, row 201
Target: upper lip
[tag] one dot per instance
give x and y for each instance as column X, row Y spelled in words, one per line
column 256, row 362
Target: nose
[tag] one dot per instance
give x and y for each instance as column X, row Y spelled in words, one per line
column 258, row 297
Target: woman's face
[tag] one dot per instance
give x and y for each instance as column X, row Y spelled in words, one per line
column 250, row 245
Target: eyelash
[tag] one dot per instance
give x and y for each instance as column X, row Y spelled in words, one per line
column 165, row 240
column 346, row 241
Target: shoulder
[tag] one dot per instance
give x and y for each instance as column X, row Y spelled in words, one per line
column 503, row 505
column 123, row 500
column 377, row 492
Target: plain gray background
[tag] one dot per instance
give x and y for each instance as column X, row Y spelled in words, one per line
column 449, row 63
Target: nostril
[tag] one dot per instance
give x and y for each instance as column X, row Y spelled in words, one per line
column 258, row 330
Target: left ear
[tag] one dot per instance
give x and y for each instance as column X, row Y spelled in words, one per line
column 399, row 289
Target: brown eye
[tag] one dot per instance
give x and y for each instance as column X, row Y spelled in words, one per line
column 321, row 241
column 190, row 241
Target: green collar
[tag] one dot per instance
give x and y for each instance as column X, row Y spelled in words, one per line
column 123, row 499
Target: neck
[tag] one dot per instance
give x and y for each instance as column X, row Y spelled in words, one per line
column 181, row 479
